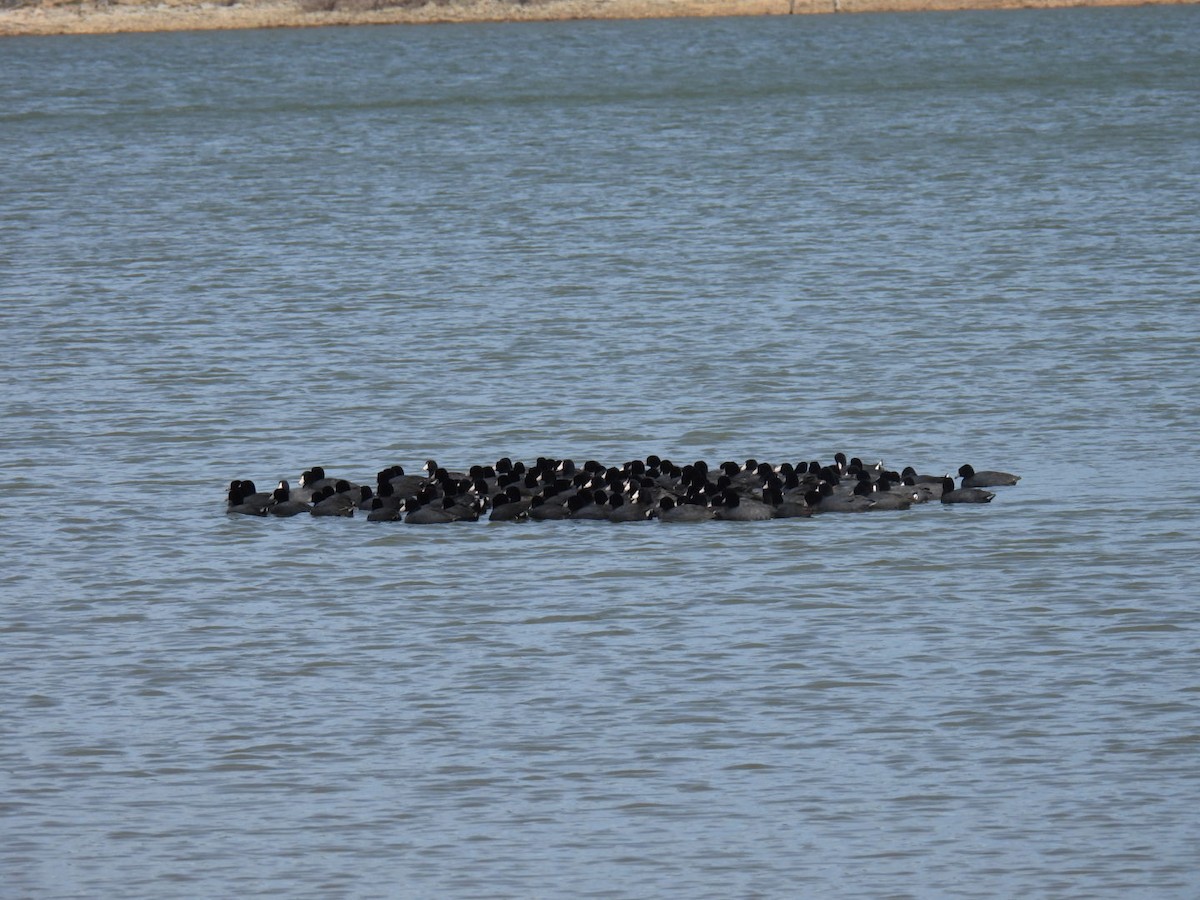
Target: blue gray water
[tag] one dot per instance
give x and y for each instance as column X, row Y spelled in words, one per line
column 931, row 239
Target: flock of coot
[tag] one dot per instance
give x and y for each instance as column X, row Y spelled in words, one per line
column 650, row 488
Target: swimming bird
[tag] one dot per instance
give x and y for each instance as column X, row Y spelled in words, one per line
column 401, row 485
column 636, row 510
column 964, row 495
column 331, row 502
column 910, row 472
column 920, row 493
column 466, row 507
column 383, row 513
column 244, row 499
column 285, row 506
column 735, row 508
column 313, row 480
column 547, row 509
column 671, row 511
column 881, row 496
column 785, row 507
column 440, row 472
column 510, row 506
column 594, row 507
column 973, row 479
column 824, row 500
column 430, row 514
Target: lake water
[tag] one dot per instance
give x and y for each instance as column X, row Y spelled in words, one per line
column 931, row 239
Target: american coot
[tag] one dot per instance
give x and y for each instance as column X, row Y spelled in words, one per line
column 922, row 492
column 594, row 507
column 284, row 505
column 431, row 514
column 910, row 472
column 465, row 508
column 311, row 481
column 973, row 479
column 383, row 513
column 510, row 506
column 785, row 508
column 330, row 502
column 244, row 499
column 548, row 509
column 964, row 495
column 634, row 510
column 825, row 500
column 880, row 497
column 670, row 511
column 735, row 508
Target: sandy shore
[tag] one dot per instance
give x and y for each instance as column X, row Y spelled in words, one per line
column 90, row 17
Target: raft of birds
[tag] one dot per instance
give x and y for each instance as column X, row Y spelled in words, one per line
column 637, row 490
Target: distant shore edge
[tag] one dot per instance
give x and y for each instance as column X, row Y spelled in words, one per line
column 92, row 17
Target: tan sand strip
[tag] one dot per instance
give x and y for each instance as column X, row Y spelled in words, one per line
column 89, row 17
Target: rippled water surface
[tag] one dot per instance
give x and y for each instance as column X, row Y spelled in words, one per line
column 931, row 239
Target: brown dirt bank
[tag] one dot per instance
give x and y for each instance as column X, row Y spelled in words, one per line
column 24, row 17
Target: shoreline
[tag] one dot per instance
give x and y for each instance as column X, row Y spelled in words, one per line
column 56, row 17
